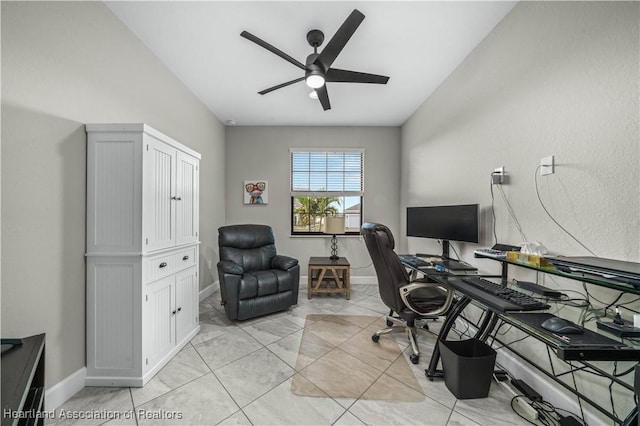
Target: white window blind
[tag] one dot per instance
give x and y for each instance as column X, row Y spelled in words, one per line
column 327, row 173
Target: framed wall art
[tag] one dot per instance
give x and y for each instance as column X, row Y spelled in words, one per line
column 256, row 191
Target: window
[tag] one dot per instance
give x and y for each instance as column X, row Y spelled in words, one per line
column 326, row 183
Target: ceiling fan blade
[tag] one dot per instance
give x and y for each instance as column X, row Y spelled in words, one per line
column 339, row 40
column 272, row 49
column 345, row 76
column 323, row 97
column 280, row 86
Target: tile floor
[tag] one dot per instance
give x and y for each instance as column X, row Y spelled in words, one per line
column 242, row 373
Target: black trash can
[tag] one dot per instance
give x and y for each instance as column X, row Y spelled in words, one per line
column 468, row 367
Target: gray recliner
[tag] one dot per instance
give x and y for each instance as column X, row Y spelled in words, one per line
column 254, row 279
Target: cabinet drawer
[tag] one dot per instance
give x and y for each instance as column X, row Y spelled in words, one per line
column 168, row 263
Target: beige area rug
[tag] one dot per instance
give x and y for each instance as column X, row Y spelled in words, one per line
column 337, row 358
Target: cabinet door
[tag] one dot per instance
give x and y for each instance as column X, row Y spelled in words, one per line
column 159, row 320
column 186, row 303
column 186, row 199
column 159, row 190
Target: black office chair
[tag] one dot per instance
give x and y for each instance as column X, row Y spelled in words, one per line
column 409, row 300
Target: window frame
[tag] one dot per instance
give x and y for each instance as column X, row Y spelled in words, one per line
column 324, row 193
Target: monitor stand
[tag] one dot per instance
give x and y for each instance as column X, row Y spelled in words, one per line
column 452, row 264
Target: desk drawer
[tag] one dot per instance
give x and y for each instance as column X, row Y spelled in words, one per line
column 166, row 264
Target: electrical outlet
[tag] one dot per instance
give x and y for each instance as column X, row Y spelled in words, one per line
column 498, row 176
column 546, row 166
column 209, row 263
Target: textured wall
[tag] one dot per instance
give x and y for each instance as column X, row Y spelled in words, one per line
column 65, row 64
column 552, row 78
column 556, row 78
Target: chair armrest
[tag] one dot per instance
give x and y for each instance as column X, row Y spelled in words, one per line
column 283, row 262
column 427, row 298
column 228, row 267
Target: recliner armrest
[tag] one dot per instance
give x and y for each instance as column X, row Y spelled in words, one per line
column 283, row 262
column 228, row 267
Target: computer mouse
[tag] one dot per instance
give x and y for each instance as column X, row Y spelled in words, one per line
column 561, row 326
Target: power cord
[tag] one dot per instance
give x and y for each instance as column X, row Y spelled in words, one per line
column 512, row 214
column 547, row 413
column 362, row 267
column 535, row 179
column 493, row 211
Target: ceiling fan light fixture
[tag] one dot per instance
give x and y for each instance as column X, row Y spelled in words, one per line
column 318, row 66
column 315, row 80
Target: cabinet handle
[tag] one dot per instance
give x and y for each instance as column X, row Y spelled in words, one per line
column 185, row 258
column 176, row 198
column 179, row 309
column 163, row 265
column 173, row 313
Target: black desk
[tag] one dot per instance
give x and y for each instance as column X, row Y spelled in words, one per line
column 612, row 350
column 23, row 382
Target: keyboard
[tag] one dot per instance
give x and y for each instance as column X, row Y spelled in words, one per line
column 496, row 254
column 504, row 298
column 413, row 261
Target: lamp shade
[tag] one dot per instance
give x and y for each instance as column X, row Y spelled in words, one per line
column 334, row 225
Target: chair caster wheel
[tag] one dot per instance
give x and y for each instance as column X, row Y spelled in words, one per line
column 389, row 323
column 375, row 337
column 414, row 359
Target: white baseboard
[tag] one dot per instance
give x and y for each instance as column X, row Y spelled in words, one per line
column 209, row 290
column 60, row 393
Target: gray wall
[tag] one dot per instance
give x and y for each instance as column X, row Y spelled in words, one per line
column 65, row 64
column 263, row 153
column 552, row 78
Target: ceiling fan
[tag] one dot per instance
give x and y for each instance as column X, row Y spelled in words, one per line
column 317, row 69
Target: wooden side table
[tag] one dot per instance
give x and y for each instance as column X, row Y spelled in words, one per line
column 329, row 276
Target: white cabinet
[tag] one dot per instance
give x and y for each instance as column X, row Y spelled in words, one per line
column 142, row 252
column 186, row 306
column 171, row 188
column 170, row 314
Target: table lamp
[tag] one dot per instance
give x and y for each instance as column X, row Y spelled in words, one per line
column 334, row 225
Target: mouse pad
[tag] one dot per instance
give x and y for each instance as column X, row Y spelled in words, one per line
column 588, row 338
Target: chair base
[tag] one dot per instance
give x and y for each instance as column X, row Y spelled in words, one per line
column 398, row 325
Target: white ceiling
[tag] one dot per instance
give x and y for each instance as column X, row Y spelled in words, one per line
column 416, row 43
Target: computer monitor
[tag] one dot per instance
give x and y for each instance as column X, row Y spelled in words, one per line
column 445, row 223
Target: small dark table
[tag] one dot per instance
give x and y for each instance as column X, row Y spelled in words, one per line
column 23, row 382
column 337, row 281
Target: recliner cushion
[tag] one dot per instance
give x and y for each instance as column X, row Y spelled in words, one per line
column 245, row 236
column 250, row 246
column 263, row 283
